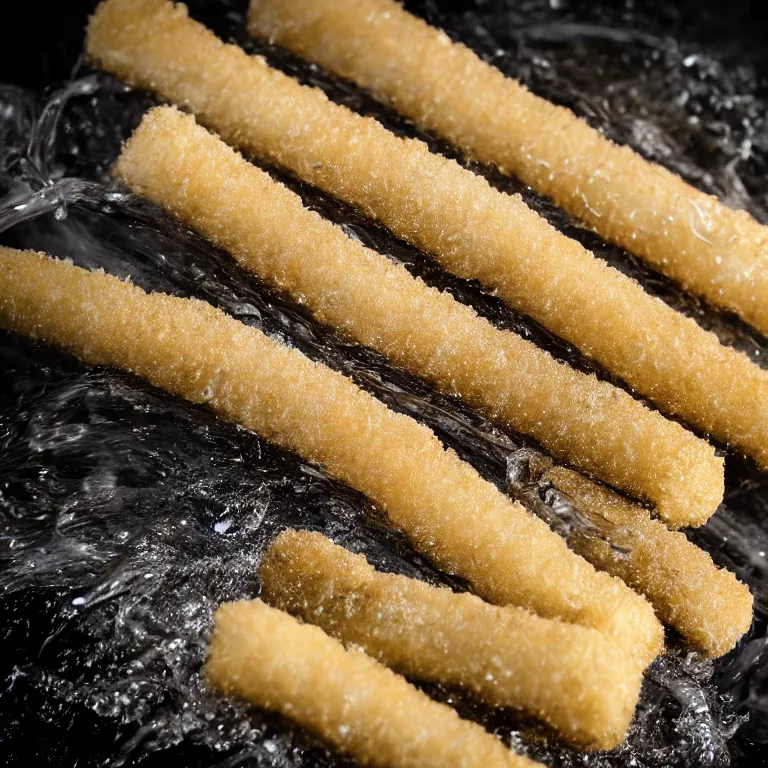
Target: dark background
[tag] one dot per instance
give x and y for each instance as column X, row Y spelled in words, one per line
column 40, row 41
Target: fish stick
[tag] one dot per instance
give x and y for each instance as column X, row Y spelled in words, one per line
column 451, row 515
column 712, row 250
column 350, row 701
column 707, row 605
column 471, row 229
column 266, row 227
column 571, row 677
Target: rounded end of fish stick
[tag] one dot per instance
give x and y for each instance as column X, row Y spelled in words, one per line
column 95, row 30
column 110, row 18
column 694, row 489
column 728, row 619
column 707, row 605
column 160, row 128
column 607, row 697
column 301, row 551
column 221, row 666
column 631, row 624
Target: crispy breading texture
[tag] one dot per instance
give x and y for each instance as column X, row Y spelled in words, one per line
column 571, row 677
column 712, row 250
column 266, row 227
column 463, row 523
column 350, row 701
column 708, row 605
column 449, row 212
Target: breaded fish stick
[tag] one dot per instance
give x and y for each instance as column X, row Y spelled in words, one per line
column 350, row 701
column 265, row 226
column 571, row 677
column 453, row 516
column 692, row 237
column 471, row 229
column 708, row 605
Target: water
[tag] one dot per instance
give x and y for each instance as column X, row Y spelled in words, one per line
column 126, row 516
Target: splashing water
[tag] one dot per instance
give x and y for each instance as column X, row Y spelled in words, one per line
column 126, row 515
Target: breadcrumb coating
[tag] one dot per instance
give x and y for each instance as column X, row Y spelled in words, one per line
column 471, row 229
column 265, row 226
column 712, row 250
column 350, row 701
column 593, row 425
column 708, row 605
column 462, row 523
column 571, row 677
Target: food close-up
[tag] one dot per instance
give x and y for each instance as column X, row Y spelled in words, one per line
column 384, row 384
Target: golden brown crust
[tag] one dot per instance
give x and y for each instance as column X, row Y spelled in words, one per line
column 463, row 523
column 265, row 226
column 571, row 677
column 714, row 251
column 350, row 701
